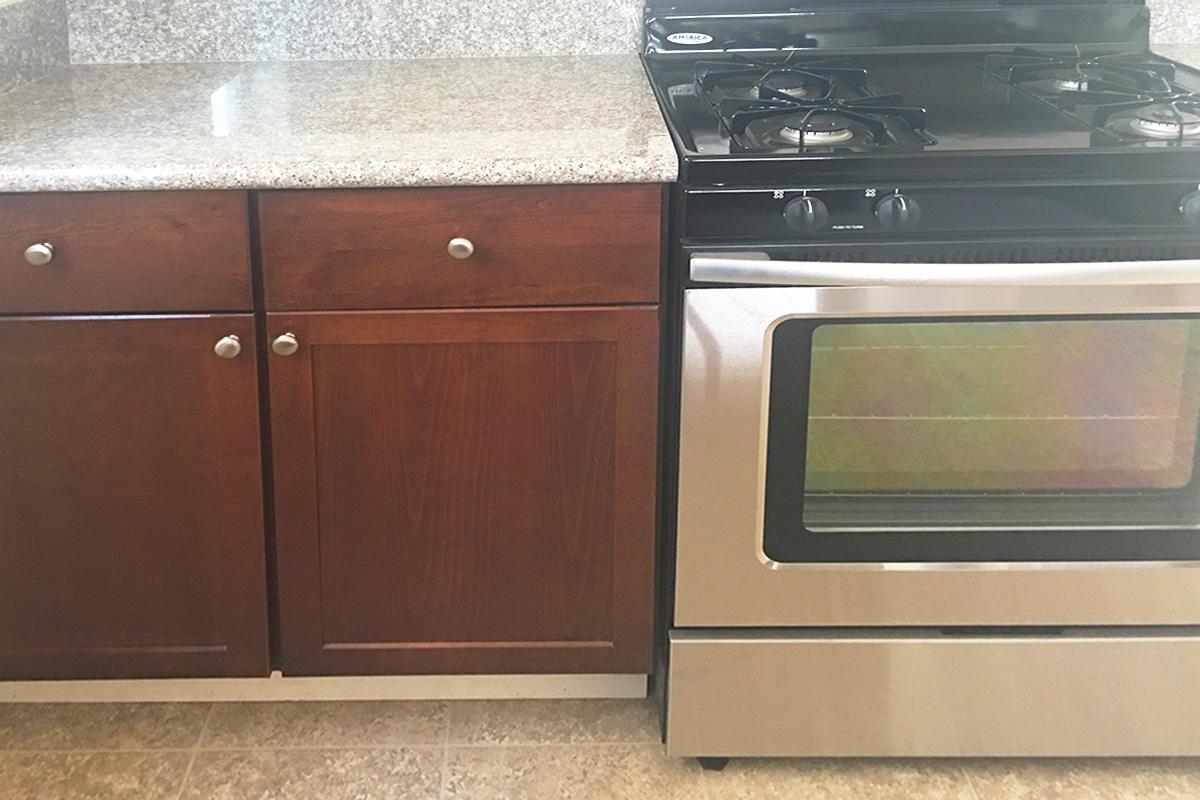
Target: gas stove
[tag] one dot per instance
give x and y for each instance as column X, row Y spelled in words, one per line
column 765, row 91
column 934, row 309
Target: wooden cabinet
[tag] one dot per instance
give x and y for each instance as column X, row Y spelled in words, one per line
column 131, row 525
column 464, row 481
column 466, row 491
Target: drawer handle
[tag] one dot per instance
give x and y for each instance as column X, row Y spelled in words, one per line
column 228, row 346
column 286, row 344
column 461, row 248
column 39, row 254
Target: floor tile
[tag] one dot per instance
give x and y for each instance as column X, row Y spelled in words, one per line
column 849, row 779
column 1093, row 779
column 100, row 726
column 579, row 772
column 395, row 774
column 326, row 724
column 553, row 721
column 94, row 776
column 615, row 772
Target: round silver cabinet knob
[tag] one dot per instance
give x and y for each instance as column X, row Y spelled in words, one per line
column 461, row 248
column 228, row 346
column 285, row 344
column 39, row 254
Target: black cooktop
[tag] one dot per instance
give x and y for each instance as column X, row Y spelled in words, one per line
column 805, row 105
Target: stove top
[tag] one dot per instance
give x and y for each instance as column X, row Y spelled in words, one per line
column 805, row 105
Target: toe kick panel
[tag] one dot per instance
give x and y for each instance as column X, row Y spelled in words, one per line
column 912, row 693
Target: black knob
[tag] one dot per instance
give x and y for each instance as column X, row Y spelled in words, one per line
column 1189, row 207
column 806, row 214
column 898, row 213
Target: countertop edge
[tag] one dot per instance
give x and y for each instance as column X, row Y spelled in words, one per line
column 339, row 176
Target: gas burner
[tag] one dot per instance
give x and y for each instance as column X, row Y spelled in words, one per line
column 1170, row 117
column 1165, row 122
column 1076, row 83
column 775, row 86
column 818, row 132
column 801, row 88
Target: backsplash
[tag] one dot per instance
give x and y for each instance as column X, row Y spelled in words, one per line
column 34, row 33
column 256, row 30
column 1175, row 21
column 33, row 39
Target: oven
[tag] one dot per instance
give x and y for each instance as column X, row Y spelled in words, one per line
column 937, row 509
column 940, row 444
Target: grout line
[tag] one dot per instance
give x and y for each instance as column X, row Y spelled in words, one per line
column 212, row 710
column 445, row 753
column 966, row 773
column 187, row 774
column 195, row 750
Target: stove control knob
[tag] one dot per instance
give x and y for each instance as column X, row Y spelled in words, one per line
column 806, row 214
column 898, row 212
column 1189, row 207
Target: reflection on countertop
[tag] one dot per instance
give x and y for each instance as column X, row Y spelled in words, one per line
column 568, row 119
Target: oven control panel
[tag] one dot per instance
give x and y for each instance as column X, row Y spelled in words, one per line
column 832, row 213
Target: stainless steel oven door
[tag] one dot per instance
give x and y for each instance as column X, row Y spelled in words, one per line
column 974, row 445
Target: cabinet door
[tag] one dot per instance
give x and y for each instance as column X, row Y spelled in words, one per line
column 466, row 491
column 131, row 525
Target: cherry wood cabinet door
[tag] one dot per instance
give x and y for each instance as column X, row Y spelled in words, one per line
column 466, row 491
column 131, row 513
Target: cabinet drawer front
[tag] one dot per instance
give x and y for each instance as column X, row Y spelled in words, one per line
column 124, row 251
column 532, row 245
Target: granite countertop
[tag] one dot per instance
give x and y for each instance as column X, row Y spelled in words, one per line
column 570, row 119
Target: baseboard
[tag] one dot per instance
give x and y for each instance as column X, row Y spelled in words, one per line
column 366, row 687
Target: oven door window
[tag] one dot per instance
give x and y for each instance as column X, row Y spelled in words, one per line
column 1013, row 439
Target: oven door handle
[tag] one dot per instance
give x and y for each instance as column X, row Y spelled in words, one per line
column 757, row 268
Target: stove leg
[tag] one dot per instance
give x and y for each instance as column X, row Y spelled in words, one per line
column 713, row 763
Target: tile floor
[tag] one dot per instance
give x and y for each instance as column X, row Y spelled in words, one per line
column 501, row 750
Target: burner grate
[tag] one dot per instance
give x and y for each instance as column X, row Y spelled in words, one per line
column 1131, row 94
column 805, row 97
column 1116, row 73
